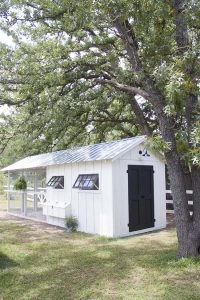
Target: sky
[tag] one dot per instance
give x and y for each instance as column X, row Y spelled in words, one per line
column 6, row 39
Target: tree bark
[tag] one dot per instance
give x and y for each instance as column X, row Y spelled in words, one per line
column 140, row 116
column 195, row 174
column 187, row 236
column 183, row 44
column 187, row 227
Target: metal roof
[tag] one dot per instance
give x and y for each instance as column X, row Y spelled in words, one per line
column 103, row 151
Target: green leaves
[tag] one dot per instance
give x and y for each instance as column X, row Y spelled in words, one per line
column 157, row 144
column 63, row 47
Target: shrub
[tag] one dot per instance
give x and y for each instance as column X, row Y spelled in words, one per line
column 71, row 223
column 20, row 184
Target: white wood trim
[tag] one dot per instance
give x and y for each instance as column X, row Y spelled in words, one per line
column 171, row 202
column 189, row 192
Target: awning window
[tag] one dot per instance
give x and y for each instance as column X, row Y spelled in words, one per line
column 87, row 182
column 56, row 182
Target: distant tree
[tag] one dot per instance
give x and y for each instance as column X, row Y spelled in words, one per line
column 80, row 63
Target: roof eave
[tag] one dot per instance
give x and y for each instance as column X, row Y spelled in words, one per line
column 4, row 170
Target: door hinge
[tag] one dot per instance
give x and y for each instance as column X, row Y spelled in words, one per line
column 128, row 224
column 154, row 220
column 153, row 171
column 126, row 171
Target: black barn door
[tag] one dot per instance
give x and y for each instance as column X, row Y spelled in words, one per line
column 141, row 197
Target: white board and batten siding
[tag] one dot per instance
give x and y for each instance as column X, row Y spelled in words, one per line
column 93, row 209
column 120, row 191
column 104, row 211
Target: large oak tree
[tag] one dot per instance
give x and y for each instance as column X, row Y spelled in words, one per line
column 129, row 64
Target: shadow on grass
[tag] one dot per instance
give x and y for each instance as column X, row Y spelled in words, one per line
column 6, row 262
column 87, row 273
column 83, row 273
column 81, row 266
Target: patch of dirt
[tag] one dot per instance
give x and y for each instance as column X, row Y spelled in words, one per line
column 37, row 230
column 40, row 231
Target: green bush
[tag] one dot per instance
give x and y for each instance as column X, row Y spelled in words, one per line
column 71, row 223
column 20, row 184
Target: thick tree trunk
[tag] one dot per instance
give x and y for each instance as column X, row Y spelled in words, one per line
column 188, row 227
column 195, row 174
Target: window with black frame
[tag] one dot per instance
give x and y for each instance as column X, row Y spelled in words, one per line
column 57, row 182
column 87, row 182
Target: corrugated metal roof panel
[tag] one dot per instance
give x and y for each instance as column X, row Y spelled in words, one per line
column 107, row 150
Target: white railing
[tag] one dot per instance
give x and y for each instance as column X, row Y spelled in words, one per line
column 23, row 200
column 30, row 195
column 42, row 196
column 171, row 211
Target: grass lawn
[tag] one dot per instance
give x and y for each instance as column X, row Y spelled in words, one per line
column 43, row 262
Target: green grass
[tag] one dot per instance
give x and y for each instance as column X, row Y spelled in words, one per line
column 43, row 262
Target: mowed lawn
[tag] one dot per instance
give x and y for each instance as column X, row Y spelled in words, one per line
column 38, row 261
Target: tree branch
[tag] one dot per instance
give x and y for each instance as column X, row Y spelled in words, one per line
column 182, row 38
column 125, row 88
column 141, row 120
column 128, row 36
column 133, row 91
